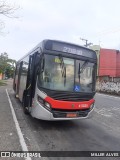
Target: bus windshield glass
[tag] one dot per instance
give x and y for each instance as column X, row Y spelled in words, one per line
column 67, row 74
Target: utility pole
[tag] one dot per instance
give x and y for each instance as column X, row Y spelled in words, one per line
column 86, row 42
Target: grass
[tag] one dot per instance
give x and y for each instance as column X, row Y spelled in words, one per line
column 2, row 83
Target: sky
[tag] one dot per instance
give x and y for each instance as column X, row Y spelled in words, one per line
column 98, row 21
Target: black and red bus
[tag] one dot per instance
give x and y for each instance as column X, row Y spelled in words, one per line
column 56, row 81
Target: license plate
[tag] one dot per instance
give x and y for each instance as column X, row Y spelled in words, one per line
column 71, row 115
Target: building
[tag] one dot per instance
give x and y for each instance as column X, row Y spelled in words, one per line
column 108, row 62
column 96, row 48
column 118, row 64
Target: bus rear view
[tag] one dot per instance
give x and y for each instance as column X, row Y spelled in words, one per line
column 59, row 83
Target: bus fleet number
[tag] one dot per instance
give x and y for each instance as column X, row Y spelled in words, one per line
column 72, row 50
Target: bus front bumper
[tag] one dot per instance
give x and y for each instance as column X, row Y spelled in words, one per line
column 38, row 111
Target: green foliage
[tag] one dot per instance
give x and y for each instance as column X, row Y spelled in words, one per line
column 7, row 65
column 3, row 62
column 2, row 83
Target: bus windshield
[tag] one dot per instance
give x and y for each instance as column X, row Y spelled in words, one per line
column 67, row 74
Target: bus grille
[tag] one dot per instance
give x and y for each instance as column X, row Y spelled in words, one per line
column 62, row 114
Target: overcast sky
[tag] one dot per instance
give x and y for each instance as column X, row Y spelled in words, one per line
column 98, row 21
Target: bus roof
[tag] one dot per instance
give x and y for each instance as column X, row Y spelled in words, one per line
column 61, row 46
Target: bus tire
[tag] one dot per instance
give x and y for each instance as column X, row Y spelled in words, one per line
column 25, row 108
column 16, row 95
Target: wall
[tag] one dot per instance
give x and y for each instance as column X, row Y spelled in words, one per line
column 108, row 70
column 108, row 86
column 0, row 76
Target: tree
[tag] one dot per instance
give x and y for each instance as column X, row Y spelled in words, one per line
column 3, row 62
column 10, row 67
column 7, row 10
column 7, row 65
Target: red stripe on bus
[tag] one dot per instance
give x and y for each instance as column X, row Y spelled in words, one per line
column 69, row 104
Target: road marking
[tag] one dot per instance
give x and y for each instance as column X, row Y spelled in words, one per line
column 104, row 112
column 20, row 135
column 107, row 95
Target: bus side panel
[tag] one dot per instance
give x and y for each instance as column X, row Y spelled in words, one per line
column 23, row 77
column 15, row 83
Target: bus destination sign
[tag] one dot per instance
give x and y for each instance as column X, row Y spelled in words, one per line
column 67, row 48
column 70, row 48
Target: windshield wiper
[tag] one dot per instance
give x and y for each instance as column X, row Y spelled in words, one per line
column 81, row 69
column 79, row 72
column 63, row 68
column 65, row 77
column 83, row 66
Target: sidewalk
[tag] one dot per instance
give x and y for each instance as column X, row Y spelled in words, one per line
column 9, row 140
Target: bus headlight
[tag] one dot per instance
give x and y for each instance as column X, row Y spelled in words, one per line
column 40, row 100
column 45, row 104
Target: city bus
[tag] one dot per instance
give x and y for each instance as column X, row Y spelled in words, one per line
column 56, row 81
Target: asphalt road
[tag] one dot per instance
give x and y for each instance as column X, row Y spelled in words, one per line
column 100, row 133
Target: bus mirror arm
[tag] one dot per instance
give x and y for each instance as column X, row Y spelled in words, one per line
column 40, row 66
column 43, row 65
column 38, row 70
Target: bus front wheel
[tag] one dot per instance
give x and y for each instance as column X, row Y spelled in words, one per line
column 25, row 104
